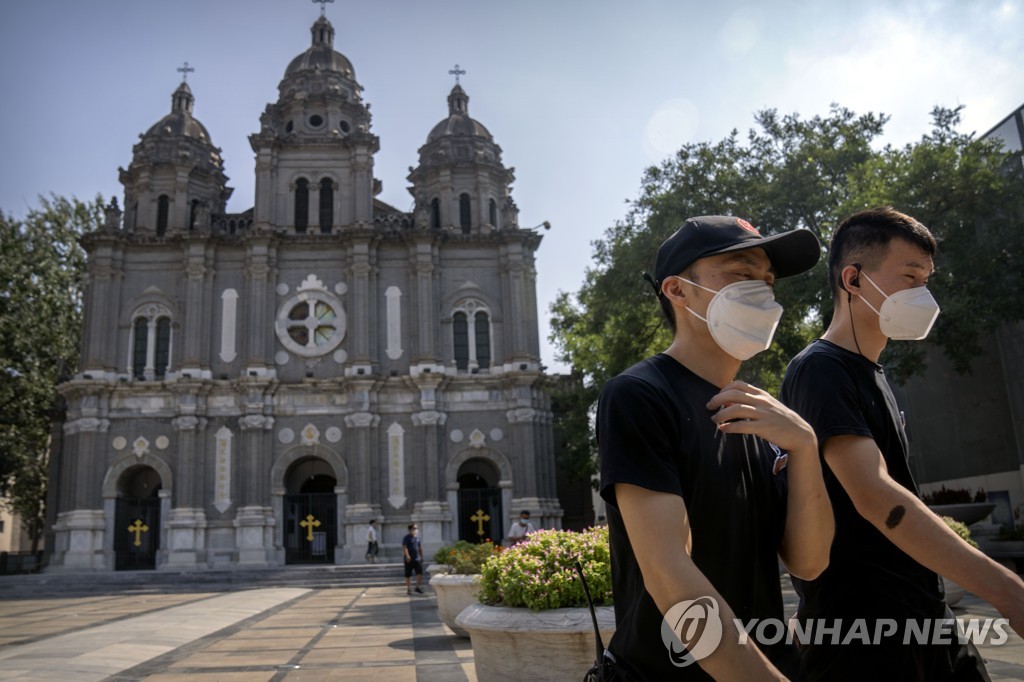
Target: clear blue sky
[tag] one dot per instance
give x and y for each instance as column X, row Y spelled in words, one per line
column 581, row 96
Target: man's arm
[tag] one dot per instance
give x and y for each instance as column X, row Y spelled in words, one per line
column 810, row 526
column 901, row 517
column 662, row 550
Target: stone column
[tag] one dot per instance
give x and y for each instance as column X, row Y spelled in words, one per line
column 364, row 473
column 425, row 307
column 194, row 330
column 186, row 523
column 257, row 275
column 513, row 303
column 102, row 287
column 254, row 520
column 362, row 300
column 79, row 534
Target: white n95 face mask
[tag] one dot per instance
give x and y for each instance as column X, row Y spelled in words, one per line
column 907, row 315
column 742, row 317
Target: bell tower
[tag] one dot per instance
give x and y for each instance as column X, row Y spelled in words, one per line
column 314, row 151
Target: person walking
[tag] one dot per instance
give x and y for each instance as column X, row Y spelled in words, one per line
column 709, row 481
column 413, row 553
column 889, row 548
column 372, row 546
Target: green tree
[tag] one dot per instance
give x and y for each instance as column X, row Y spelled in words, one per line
column 792, row 172
column 42, row 274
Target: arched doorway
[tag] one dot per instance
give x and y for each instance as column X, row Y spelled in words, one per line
column 480, row 513
column 137, row 519
column 311, row 512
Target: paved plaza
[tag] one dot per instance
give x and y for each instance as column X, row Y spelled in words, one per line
column 270, row 633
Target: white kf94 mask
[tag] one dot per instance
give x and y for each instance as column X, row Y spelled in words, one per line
column 907, row 315
column 742, row 317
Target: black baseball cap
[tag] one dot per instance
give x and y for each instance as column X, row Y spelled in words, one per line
column 790, row 252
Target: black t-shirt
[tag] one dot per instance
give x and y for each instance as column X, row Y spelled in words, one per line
column 654, row 431
column 843, row 393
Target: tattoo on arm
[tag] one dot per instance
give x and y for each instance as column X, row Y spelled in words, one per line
column 895, row 516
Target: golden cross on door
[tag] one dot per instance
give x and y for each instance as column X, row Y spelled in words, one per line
column 138, row 528
column 309, row 524
column 479, row 517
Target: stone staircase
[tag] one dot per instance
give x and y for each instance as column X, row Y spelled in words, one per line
column 214, row 580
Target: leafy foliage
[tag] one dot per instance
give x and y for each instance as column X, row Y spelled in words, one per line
column 960, row 529
column 466, row 557
column 42, row 274
column 540, row 573
column 792, row 172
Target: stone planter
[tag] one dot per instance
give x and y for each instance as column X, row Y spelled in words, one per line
column 520, row 644
column 966, row 513
column 455, row 591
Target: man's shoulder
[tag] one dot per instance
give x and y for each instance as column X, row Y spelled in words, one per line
column 658, row 374
column 819, row 356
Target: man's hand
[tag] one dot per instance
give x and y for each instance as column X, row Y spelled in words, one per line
column 742, row 408
column 807, row 540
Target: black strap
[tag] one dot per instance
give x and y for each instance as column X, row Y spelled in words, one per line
column 593, row 616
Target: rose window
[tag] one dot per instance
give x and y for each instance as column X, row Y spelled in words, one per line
column 311, row 323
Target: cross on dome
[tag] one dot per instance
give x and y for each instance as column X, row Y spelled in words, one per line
column 185, row 71
column 457, row 72
column 323, row 6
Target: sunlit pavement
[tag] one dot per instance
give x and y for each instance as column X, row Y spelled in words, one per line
column 274, row 633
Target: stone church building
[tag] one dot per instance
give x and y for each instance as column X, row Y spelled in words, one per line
column 255, row 387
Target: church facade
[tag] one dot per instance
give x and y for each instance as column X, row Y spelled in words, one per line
column 255, row 387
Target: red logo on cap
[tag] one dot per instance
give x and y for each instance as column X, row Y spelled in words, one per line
column 747, row 226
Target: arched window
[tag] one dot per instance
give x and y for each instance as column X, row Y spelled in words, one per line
column 162, row 354
column 435, row 215
column 192, row 214
column 493, row 213
column 326, row 205
column 301, row 204
column 483, row 339
column 150, row 352
column 460, row 333
column 139, row 343
column 465, row 214
column 471, row 335
column 163, row 205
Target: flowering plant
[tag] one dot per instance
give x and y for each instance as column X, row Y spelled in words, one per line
column 465, row 557
column 960, row 529
column 540, row 572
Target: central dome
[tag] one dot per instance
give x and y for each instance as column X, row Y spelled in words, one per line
column 321, row 56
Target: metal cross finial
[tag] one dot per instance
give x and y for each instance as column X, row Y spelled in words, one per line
column 457, row 72
column 185, row 71
column 323, row 6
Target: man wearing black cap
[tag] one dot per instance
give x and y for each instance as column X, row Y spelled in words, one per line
column 709, row 481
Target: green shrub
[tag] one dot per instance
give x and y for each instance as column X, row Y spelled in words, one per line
column 960, row 529
column 540, row 573
column 955, row 496
column 465, row 557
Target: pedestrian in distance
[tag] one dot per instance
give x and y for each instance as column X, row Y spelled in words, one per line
column 709, row 481
column 413, row 554
column 521, row 528
column 372, row 546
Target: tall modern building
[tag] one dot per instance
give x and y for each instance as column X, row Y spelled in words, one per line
column 256, row 386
